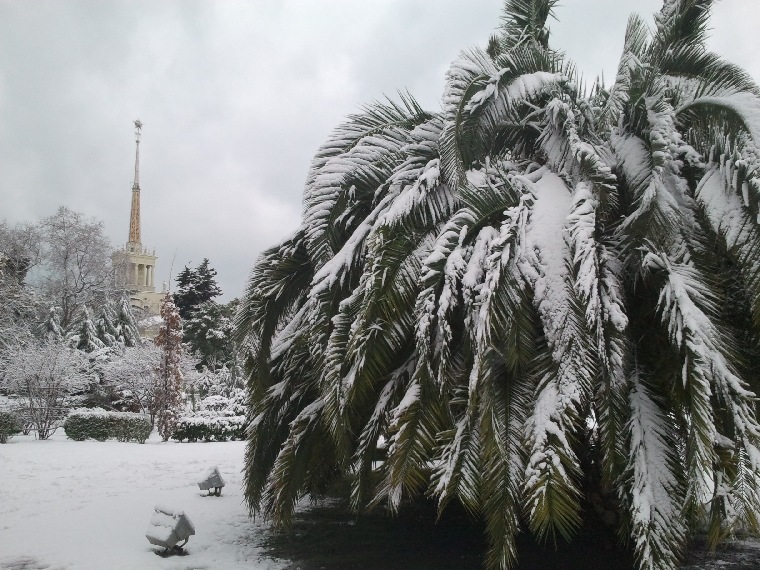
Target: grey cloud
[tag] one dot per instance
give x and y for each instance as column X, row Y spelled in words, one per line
column 236, row 97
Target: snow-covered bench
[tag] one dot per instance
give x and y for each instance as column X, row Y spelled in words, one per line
column 168, row 527
column 212, row 480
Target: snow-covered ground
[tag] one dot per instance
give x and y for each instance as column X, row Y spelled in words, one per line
column 86, row 505
column 68, row 505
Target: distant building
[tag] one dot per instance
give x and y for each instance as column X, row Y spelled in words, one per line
column 135, row 263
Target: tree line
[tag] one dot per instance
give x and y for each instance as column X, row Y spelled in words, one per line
column 70, row 336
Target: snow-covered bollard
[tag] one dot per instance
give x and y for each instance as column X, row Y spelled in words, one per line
column 212, row 480
column 168, row 527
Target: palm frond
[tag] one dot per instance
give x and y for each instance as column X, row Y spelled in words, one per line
column 373, row 138
column 680, row 22
column 415, row 423
column 524, row 21
column 656, row 488
column 634, row 49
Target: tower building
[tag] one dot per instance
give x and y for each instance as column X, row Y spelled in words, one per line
column 137, row 263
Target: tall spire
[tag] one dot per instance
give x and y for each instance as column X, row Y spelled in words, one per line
column 134, row 242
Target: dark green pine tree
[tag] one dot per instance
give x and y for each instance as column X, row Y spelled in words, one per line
column 208, row 333
column 196, row 286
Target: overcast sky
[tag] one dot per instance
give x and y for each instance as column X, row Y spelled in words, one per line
column 235, row 97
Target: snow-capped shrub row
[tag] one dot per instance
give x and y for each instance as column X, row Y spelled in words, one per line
column 102, row 425
column 9, row 425
column 209, row 428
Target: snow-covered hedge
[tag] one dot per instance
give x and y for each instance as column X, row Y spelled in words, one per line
column 9, row 425
column 102, row 425
column 207, row 427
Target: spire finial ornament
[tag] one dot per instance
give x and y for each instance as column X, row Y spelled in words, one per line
column 138, row 132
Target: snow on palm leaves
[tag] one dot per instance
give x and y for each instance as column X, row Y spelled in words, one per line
column 479, row 287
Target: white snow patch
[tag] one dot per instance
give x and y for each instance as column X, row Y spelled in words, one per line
column 84, row 505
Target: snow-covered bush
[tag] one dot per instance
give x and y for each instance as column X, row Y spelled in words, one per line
column 230, row 405
column 102, row 425
column 216, row 402
column 9, row 425
column 224, row 381
column 207, row 427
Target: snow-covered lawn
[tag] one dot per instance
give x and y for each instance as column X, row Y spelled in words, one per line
column 86, row 505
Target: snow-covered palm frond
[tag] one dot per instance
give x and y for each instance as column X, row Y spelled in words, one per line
column 727, row 104
column 457, row 474
column 575, row 158
column 651, row 171
column 697, row 71
column 631, row 62
column 486, row 108
column 366, row 453
column 383, row 330
column 414, row 425
column 656, row 488
column 680, row 22
column 303, row 461
column 275, row 286
column 371, row 139
column 449, row 272
column 467, row 74
column 566, row 370
column 504, row 408
column 707, row 370
column 334, row 369
column 599, row 289
column 729, row 215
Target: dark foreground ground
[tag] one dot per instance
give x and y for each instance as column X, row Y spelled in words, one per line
column 326, row 537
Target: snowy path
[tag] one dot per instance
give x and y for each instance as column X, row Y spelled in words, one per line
column 86, row 505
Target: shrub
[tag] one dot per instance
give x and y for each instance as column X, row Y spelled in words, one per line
column 205, row 427
column 102, row 425
column 9, row 425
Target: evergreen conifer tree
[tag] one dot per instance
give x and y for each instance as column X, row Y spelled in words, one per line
column 84, row 335
column 208, row 333
column 168, row 395
column 106, row 327
column 50, row 329
column 196, row 286
column 125, row 323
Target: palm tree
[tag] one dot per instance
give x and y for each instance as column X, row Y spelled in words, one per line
column 535, row 288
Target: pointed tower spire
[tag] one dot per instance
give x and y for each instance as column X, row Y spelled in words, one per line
column 137, row 264
column 134, row 242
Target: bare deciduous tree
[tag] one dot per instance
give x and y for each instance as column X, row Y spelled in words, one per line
column 76, row 264
column 45, row 376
